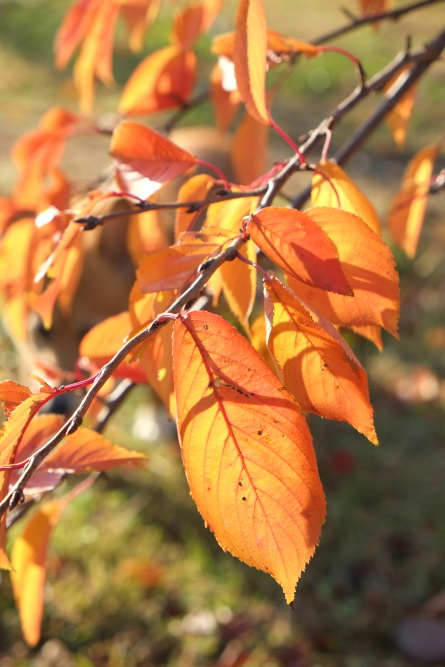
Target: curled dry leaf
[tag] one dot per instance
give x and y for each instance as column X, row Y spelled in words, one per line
column 369, row 268
column 246, row 449
column 249, row 56
column 331, row 186
column 315, row 363
column 163, row 80
column 409, row 205
column 145, row 159
column 300, row 247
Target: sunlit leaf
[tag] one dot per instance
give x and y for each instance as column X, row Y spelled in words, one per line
column 350, row 197
column 409, row 205
column 195, row 188
column 139, row 15
column 249, row 150
column 299, row 246
column 316, row 364
column 249, row 56
column 246, row 449
column 145, row 159
column 399, row 116
column 369, row 268
column 194, row 20
column 12, row 394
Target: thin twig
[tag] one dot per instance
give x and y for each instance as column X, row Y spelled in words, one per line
column 355, row 23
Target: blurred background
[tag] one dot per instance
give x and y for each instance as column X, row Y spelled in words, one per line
column 134, row 578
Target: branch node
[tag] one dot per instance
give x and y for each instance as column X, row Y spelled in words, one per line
column 17, row 496
column 76, row 421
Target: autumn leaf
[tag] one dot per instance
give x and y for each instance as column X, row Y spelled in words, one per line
column 249, row 56
column 163, row 80
column 195, row 188
column 331, row 186
column 369, row 268
column 29, row 559
column 372, row 333
column 246, row 449
column 408, row 206
column 280, row 48
column 372, row 7
column 299, row 246
column 399, row 116
column 145, row 159
column 225, row 98
column 12, row 394
column 249, row 150
column 316, row 364
column 139, row 15
column 194, row 20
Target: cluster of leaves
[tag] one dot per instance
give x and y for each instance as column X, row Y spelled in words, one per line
column 237, row 397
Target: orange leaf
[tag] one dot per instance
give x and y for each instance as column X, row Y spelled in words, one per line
column 239, row 284
column 316, row 364
column 145, row 160
column 246, row 449
column 398, row 117
column 170, row 268
column 146, row 234
column 12, row 394
column 28, row 560
column 86, row 451
column 225, row 102
column 139, row 16
column 369, row 268
column 351, row 198
column 409, row 205
column 249, row 150
column 279, row 47
column 194, row 20
column 372, row 333
column 75, row 26
column 163, row 80
column 249, row 56
column 297, row 244
column 195, row 188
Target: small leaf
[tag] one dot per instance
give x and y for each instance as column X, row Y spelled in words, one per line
column 351, row 198
column 409, row 205
column 12, row 394
column 194, row 20
column 372, row 7
column 246, row 449
column 399, row 116
column 163, row 80
column 297, row 244
column 369, row 268
column 145, row 160
column 139, row 16
column 249, row 56
column 316, row 364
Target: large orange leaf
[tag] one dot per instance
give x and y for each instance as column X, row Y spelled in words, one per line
column 86, row 451
column 316, row 364
column 409, row 205
column 194, row 20
column 369, row 268
column 249, row 56
column 29, row 558
column 330, row 175
column 249, row 150
column 247, row 450
column 299, row 246
column 145, row 159
column 171, row 268
column 163, row 80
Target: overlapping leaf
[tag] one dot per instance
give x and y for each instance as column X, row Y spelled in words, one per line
column 299, row 246
column 145, row 159
column 369, row 268
column 409, row 205
column 249, row 163
column 246, row 449
column 194, row 20
column 316, row 364
column 331, row 186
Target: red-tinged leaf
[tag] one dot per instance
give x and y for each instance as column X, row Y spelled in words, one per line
column 315, row 363
column 330, row 175
column 225, row 99
column 193, row 21
column 409, row 205
column 139, row 16
column 169, row 269
column 399, row 116
column 29, row 558
column 249, row 56
column 195, row 188
column 369, row 268
column 247, row 450
column 163, row 80
column 104, row 340
column 12, row 394
column 372, row 333
column 249, row 162
column 75, row 26
column 145, row 159
column 87, row 451
column 298, row 245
